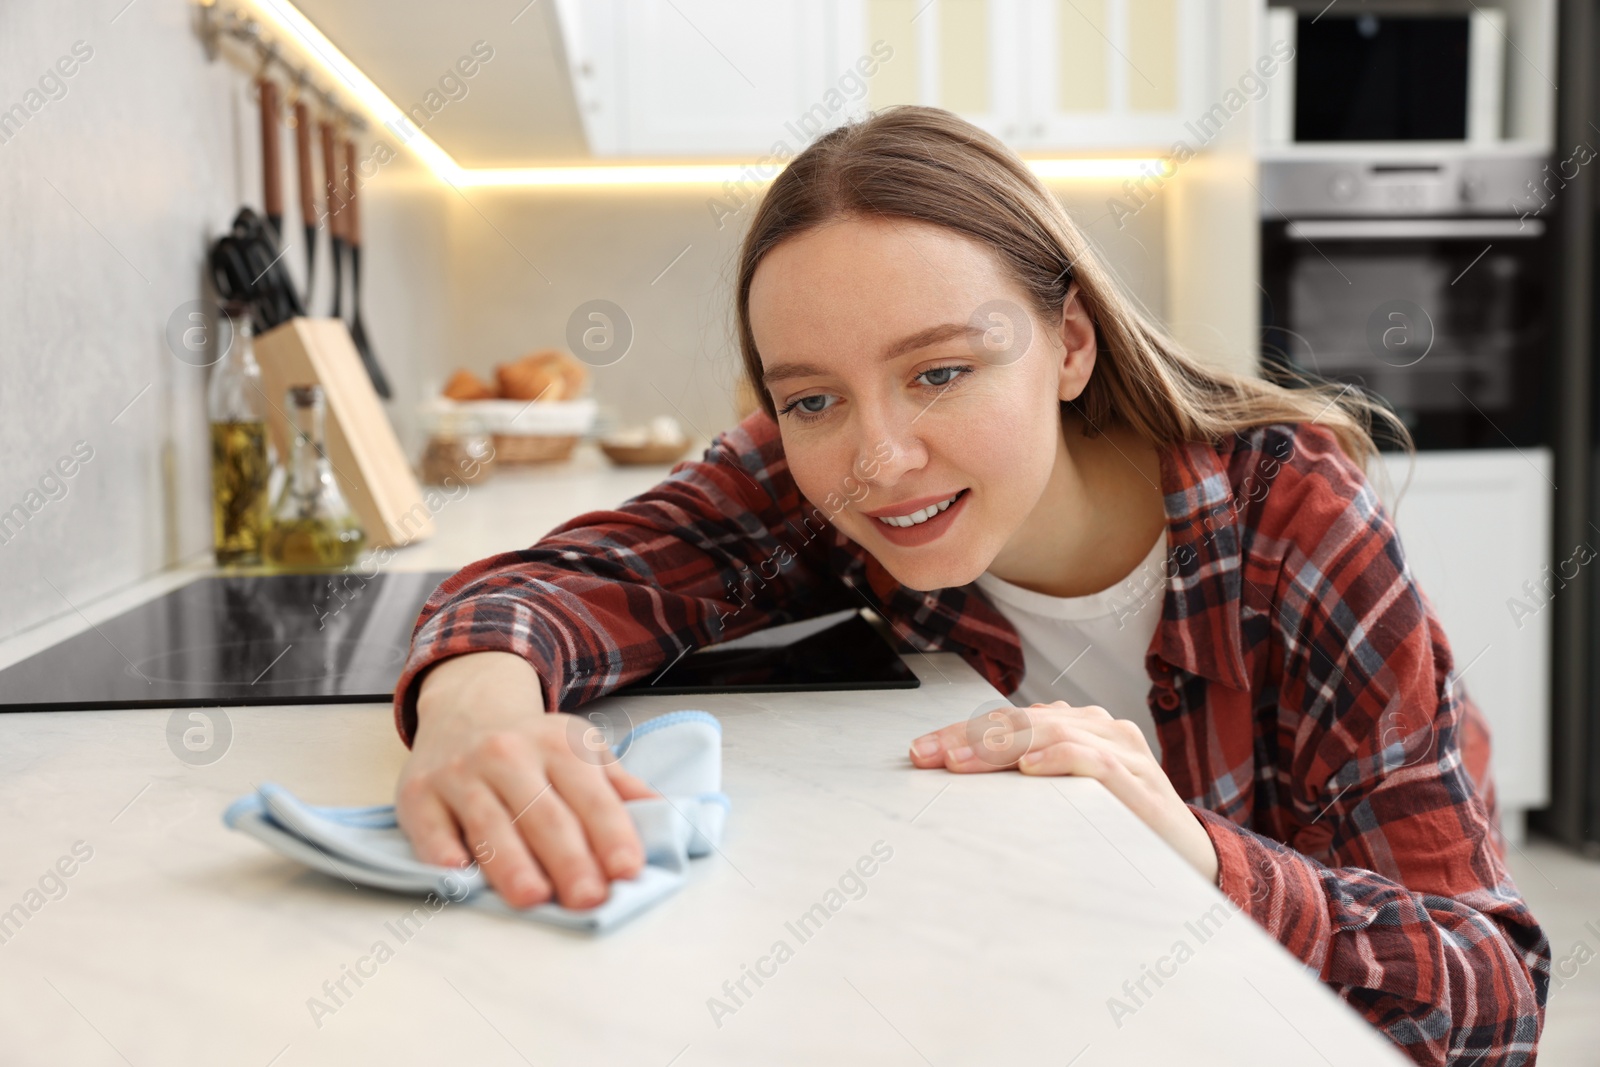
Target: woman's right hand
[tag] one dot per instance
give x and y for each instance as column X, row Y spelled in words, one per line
column 492, row 777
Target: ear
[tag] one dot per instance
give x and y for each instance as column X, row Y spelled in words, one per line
column 1077, row 350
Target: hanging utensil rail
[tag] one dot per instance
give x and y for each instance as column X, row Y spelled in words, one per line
column 216, row 24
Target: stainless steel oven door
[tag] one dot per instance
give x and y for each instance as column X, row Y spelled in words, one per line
column 1442, row 318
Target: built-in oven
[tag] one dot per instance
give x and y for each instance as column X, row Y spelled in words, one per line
column 1423, row 283
column 1426, row 282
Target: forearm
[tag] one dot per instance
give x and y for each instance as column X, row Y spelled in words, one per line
column 577, row 630
column 581, row 636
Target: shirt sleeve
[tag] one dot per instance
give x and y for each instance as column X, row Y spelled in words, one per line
column 722, row 547
column 1376, row 863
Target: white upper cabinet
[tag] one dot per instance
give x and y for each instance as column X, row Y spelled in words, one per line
column 675, row 78
column 1115, row 72
column 668, row 78
column 1048, row 74
column 963, row 55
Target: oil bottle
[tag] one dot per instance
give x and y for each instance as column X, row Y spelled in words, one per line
column 240, row 465
column 312, row 528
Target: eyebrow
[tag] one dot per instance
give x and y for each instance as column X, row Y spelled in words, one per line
column 933, row 335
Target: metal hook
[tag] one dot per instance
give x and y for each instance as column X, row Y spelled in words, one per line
column 214, row 24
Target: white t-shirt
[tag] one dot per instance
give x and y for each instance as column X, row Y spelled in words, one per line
column 1088, row 649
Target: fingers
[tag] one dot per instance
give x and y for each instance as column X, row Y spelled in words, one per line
column 628, row 786
column 990, row 740
column 1123, row 734
column 507, row 863
column 998, row 738
column 540, row 816
column 589, row 792
column 1084, row 758
column 539, row 802
column 1081, row 756
column 1088, row 756
column 533, row 796
column 426, row 820
column 928, row 750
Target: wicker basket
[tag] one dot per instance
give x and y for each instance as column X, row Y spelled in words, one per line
column 517, row 448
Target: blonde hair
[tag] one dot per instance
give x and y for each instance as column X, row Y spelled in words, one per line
column 927, row 165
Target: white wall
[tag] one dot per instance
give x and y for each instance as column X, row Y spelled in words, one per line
column 109, row 197
column 522, row 260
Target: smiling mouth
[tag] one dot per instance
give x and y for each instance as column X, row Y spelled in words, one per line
column 921, row 515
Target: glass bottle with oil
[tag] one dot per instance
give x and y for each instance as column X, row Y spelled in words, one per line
column 312, row 528
column 240, row 464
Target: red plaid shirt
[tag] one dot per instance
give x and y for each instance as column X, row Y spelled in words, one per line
column 1303, row 691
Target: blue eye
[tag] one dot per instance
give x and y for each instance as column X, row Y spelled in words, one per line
column 939, row 377
column 809, row 407
column 816, row 405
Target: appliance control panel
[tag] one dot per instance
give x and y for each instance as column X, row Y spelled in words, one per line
column 1488, row 185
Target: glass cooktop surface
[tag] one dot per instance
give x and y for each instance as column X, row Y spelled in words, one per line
column 342, row 638
column 234, row 640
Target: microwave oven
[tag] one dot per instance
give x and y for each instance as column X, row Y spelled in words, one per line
column 1368, row 77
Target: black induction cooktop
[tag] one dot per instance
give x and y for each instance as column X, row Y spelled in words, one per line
column 342, row 638
column 235, row 640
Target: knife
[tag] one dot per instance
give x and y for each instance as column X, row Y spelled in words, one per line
column 330, row 178
column 308, row 194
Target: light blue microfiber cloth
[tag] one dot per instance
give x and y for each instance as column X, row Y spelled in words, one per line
column 679, row 755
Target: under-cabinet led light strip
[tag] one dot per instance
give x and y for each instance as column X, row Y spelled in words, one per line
column 291, row 23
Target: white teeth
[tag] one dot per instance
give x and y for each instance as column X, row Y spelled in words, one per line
column 921, row 515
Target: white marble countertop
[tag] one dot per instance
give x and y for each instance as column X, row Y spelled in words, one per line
column 1010, row 913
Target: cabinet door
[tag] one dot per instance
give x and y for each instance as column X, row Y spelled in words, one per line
column 666, row 78
column 1115, row 73
column 962, row 55
column 1475, row 530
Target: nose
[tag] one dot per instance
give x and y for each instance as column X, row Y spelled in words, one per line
column 889, row 444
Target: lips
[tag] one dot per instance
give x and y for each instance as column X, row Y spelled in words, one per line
column 919, row 516
column 909, row 507
column 917, row 522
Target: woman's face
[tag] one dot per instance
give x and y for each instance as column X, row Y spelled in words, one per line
column 910, row 374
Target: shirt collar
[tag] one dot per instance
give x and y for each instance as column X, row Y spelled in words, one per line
column 1200, row 625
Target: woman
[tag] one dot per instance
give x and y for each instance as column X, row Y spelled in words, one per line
column 966, row 426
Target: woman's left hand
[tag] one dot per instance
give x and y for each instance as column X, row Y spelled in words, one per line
column 1061, row 739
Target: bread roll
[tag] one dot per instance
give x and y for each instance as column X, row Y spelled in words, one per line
column 464, row 385
column 574, row 374
column 523, row 380
column 548, row 374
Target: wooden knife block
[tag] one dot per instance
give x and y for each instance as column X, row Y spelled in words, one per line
column 367, row 459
